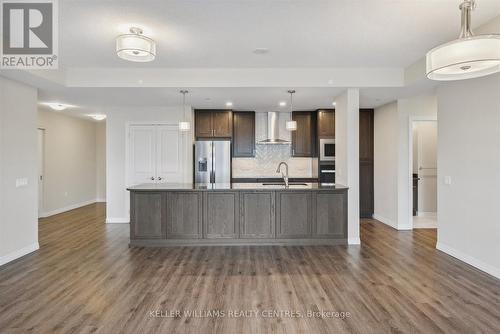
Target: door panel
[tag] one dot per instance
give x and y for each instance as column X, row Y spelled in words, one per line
column 147, row 216
column 222, row 123
column 293, row 214
column 169, row 154
column 184, row 215
column 222, row 161
column 330, row 211
column 142, row 159
column 222, row 215
column 326, row 123
column 427, row 166
column 257, row 214
column 203, row 124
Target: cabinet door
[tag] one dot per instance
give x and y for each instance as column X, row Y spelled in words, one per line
column 326, row 123
column 203, row 124
column 222, row 123
column 366, row 134
column 147, row 213
column 330, row 215
column 243, row 134
column 366, row 193
column 304, row 138
column 184, row 215
column 257, row 215
column 293, row 214
column 221, row 215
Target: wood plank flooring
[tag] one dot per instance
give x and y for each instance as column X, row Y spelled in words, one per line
column 86, row 279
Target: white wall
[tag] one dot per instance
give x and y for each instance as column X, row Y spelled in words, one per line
column 386, row 164
column 117, row 196
column 18, row 159
column 101, row 161
column 420, row 107
column 347, row 155
column 70, row 162
column 468, row 152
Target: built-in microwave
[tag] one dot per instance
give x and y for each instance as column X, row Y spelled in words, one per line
column 327, row 149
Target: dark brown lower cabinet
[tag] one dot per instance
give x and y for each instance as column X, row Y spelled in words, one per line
column 293, row 214
column 330, row 208
column 184, row 215
column 366, row 195
column 147, row 214
column 257, row 214
column 222, row 214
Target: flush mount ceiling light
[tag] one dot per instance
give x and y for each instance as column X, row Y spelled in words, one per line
column 229, row 104
column 98, row 117
column 468, row 56
column 58, row 106
column 291, row 125
column 135, row 46
column 282, row 104
column 184, row 125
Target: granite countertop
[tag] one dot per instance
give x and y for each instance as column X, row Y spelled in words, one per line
column 294, row 186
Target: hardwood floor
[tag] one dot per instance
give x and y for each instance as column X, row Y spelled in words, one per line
column 86, row 279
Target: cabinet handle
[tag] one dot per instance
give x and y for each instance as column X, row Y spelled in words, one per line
column 152, row 178
column 159, row 178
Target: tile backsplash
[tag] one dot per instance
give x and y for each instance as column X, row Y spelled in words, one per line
column 267, row 158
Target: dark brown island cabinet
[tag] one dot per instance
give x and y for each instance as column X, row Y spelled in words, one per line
column 241, row 214
column 243, row 134
column 304, row 139
column 213, row 124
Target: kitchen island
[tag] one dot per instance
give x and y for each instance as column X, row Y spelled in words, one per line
column 238, row 214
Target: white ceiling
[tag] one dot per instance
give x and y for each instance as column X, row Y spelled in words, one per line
column 223, row 33
column 215, row 34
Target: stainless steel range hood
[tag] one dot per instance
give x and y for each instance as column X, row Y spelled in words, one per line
column 273, row 137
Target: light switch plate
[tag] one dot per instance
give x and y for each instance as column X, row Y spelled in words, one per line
column 21, row 182
column 447, row 180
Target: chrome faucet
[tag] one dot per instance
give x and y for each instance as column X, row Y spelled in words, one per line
column 285, row 176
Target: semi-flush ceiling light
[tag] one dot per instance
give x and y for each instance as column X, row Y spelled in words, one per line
column 184, row 125
column 135, row 46
column 58, row 106
column 468, row 56
column 98, row 117
column 291, row 125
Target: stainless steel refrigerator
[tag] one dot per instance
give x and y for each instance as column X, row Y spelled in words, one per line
column 212, row 161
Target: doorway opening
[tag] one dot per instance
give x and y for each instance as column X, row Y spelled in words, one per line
column 424, row 173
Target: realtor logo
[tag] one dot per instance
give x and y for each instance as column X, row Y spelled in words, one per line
column 29, row 34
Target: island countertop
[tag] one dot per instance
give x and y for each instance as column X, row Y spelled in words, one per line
column 269, row 186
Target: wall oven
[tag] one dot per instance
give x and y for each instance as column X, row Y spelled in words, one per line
column 327, row 149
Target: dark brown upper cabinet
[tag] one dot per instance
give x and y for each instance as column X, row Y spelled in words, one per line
column 243, row 134
column 366, row 134
column 213, row 123
column 326, row 123
column 304, row 138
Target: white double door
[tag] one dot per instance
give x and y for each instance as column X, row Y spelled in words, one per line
column 156, row 154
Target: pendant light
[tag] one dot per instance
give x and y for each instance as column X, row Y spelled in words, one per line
column 184, row 125
column 468, row 56
column 291, row 125
column 135, row 46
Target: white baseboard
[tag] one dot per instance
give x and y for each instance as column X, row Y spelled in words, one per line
column 354, row 241
column 489, row 269
column 18, row 253
column 426, row 214
column 100, row 200
column 111, row 220
column 67, row 208
column 386, row 221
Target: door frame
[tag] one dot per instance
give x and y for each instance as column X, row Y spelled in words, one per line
column 413, row 119
column 41, row 199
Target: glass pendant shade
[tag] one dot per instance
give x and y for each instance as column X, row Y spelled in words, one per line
column 135, row 46
column 291, row 125
column 184, row 125
column 465, row 58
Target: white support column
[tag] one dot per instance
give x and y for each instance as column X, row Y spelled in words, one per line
column 347, row 155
